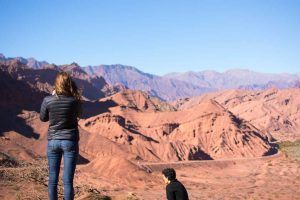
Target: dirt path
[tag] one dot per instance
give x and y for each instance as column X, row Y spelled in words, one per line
column 158, row 166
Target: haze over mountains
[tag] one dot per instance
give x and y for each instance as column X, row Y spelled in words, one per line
column 174, row 85
column 238, row 79
column 179, row 85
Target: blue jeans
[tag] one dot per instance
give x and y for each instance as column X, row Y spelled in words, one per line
column 55, row 151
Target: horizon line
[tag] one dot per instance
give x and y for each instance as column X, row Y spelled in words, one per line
column 172, row 72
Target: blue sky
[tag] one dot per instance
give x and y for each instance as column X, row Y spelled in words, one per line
column 156, row 36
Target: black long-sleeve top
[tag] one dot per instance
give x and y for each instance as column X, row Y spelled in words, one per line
column 61, row 112
column 176, row 191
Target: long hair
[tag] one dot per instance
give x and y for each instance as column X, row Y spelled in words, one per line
column 64, row 85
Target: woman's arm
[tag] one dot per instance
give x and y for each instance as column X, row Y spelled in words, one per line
column 79, row 109
column 44, row 113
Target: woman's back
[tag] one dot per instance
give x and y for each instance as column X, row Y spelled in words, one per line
column 62, row 112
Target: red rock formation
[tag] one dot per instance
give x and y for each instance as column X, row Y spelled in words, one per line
column 205, row 131
column 272, row 111
column 138, row 100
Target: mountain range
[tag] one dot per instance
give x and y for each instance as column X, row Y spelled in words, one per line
column 174, row 85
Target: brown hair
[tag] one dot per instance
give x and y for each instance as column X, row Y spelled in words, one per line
column 64, row 85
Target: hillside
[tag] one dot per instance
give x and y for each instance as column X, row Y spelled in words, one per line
column 274, row 111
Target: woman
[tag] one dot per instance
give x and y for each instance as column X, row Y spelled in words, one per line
column 61, row 109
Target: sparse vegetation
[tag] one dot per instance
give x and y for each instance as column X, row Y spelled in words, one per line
column 291, row 149
column 94, row 196
column 132, row 196
column 7, row 161
column 15, row 175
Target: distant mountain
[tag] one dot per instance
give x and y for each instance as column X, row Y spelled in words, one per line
column 30, row 62
column 237, row 78
column 42, row 79
column 16, row 91
column 297, row 84
column 2, row 57
column 166, row 88
column 180, row 85
column 172, row 86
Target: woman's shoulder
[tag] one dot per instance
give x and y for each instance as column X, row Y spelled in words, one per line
column 56, row 97
column 47, row 99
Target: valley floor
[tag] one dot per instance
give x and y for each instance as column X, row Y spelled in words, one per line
column 276, row 177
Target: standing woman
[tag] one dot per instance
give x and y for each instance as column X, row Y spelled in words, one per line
column 61, row 109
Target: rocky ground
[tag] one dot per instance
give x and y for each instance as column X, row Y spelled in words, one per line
column 275, row 177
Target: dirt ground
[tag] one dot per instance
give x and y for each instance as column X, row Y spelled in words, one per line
column 276, row 177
